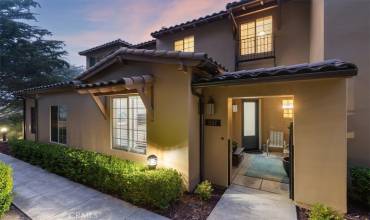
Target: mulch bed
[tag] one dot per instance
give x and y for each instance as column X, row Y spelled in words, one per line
column 4, row 148
column 190, row 207
column 355, row 212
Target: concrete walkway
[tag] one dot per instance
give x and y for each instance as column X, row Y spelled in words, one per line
column 43, row 195
column 240, row 202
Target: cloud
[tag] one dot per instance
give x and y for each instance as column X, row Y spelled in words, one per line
column 132, row 20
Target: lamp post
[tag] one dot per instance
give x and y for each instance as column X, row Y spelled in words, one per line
column 152, row 161
column 4, row 131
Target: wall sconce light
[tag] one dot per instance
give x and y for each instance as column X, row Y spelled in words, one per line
column 288, row 104
column 152, row 161
column 211, row 106
column 3, row 131
column 235, row 108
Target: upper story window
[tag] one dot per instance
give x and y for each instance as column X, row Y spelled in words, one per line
column 185, row 45
column 256, row 36
column 92, row 61
column 58, row 124
column 129, row 124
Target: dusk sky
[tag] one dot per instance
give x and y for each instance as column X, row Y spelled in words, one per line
column 86, row 23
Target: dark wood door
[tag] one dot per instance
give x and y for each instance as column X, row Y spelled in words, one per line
column 250, row 124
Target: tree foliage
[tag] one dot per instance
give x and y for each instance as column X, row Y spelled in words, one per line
column 28, row 57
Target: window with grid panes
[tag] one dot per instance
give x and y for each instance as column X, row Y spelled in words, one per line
column 129, row 124
column 256, row 36
column 185, row 45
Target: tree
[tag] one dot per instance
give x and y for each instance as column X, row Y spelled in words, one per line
column 27, row 59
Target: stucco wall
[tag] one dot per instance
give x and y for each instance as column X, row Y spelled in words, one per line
column 319, row 140
column 347, row 37
column 216, row 39
column 168, row 135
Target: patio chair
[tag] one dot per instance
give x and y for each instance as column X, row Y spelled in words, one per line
column 276, row 141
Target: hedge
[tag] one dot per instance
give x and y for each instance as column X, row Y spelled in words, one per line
column 6, row 188
column 125, row 179
column 360, row 185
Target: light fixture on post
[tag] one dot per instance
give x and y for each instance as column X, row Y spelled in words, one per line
column 4, row 131
column 288, row 107
column 211, row 106
column 152, row 161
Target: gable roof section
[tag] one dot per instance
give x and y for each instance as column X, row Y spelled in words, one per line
column 325, row 69
column 38, row 89
column 118, row 42
column 202, row 60
column 191, row 24
column 151, row 44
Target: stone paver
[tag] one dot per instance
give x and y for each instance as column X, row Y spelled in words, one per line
column 240, row 202
column 43, row 195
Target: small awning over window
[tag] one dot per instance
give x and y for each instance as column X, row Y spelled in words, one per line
column 141, row 84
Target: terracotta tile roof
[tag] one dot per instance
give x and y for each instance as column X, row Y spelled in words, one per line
column 118, row 42
column 145, row 44
column 190, row 24
column 325, row 69
column 66, row 84
column 238, row 3
column 122, row 80
column 202, row 57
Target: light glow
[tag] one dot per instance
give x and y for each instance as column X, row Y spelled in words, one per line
column 4, row 130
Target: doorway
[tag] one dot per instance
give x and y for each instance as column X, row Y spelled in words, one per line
column 250, row 124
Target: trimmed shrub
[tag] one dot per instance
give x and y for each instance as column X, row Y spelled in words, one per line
column 6, row 188
column 360, row 185
column 322, row 212
column 204, row 190
column 125, row 179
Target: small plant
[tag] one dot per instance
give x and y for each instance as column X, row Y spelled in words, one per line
column 322, row 212
column 6, row 187
column 204, row 190
column 360, row 185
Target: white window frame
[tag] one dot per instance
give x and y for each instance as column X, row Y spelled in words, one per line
column 130, row 149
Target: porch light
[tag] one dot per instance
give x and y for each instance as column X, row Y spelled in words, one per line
column 3, row 131
column 211, row 106
column 235, row 108
column 152, row 161
column 288, row 104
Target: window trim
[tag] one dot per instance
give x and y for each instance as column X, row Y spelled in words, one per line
column 111, row 126
column 50, row 139
column 255, row 36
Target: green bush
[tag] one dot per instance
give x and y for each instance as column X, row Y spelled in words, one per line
column 360, row 185
column 125, row 179
column 322, row 212
column 204, row 190
column 6, row 187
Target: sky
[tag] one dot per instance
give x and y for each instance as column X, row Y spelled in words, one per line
column 83, row 24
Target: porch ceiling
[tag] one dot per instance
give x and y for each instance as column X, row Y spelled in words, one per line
column 326, row 69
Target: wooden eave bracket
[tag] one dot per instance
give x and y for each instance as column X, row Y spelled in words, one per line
column 100, row 104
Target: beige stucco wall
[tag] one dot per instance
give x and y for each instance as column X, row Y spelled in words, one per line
column 320, row 137
column 317, row 31
column 172, row 138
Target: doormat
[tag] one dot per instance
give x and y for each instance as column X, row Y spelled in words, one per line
column 267, row 167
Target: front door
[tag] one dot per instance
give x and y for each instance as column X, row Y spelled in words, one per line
column 250, row 131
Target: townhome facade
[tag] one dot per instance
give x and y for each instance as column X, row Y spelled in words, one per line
column 184, row 95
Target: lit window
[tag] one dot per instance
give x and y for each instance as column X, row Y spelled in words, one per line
column 185, row 45
column 288, row 108
column 129, row 124
column 58, row 124
column 256, row 36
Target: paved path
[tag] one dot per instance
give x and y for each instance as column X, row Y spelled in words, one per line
column 240, row 202
column 43, row 195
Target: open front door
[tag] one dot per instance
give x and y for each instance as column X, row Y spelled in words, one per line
column 250, row 131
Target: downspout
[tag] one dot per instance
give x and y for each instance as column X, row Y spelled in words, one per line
column 24, row 118
column 201, row 133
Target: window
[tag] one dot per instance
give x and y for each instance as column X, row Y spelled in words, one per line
column 33, row 120
column 58, row 124
column 92, row 61
column 185, row 45
column 288, row 108
column 129, row 124
column 256, row 36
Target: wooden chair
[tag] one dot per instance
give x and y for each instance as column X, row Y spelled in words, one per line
column 276, row 140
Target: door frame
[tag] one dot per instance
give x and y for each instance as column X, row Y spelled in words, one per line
column 258, row 119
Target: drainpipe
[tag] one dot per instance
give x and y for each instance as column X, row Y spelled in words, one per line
column 201, row 133
column 24, row 118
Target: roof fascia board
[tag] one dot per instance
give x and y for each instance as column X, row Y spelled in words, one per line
column 281, row 78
